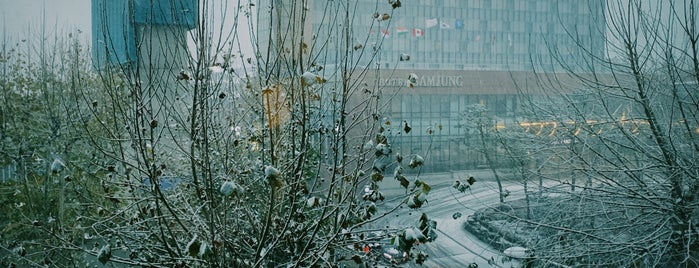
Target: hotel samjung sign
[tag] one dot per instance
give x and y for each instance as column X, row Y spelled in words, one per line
column 426, row 81
column 485, row 82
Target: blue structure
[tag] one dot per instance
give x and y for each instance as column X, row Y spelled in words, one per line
column 166, row 12
column 116, row 23
column 167, row 183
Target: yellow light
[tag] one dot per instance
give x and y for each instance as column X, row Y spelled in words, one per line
column 500, row 125
column 554, row 125
column 541, row 128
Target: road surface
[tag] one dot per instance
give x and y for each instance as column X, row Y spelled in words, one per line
column 454, row 247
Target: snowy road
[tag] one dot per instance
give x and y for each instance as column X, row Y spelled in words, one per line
column 454, row 247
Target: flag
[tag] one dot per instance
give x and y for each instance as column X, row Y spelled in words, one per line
column 432, row 22
column 402, row 30
column 417, row 32
column 444, row 25
column 385, row 33
column 459, row 24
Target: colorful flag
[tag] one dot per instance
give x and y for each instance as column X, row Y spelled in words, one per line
column 402, row 30
column 431, row 22
column 385, row 33
column 444, row 25
column 459, row 24
column 417, row 32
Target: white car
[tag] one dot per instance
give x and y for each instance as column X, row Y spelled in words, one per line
column 518, row 252
column 393, row 255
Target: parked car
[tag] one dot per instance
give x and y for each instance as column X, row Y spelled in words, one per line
column 393, row 255
column 518, row 252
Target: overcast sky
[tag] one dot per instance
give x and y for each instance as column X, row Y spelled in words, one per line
column 20, row 16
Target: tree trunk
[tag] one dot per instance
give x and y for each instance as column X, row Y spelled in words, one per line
column 489, row 160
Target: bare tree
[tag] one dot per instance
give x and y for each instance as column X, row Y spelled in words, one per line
column 477, row 122
column 185, row 149
column 629, row 131
column 41, row 146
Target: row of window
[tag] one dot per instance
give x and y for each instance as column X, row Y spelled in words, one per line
column 520, row 61
column 473, row 39
column 538, row 13
column 568, row 6
column 414, row 16
column 445, row 106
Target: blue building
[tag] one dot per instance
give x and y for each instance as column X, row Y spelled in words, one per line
column 117, row 26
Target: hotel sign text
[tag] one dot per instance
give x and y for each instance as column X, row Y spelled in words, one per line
column 427, row 81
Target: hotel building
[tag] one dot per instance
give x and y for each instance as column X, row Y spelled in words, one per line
column 464, row 52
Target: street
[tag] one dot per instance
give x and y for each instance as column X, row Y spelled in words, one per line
column 454, row 246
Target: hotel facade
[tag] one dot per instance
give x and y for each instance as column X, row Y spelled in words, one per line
column 487, row 52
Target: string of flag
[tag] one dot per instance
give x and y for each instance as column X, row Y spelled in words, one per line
column 429, row 23
column 441, row 24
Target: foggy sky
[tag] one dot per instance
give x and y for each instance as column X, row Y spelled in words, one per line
column 19, row 17
column 23, row 19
